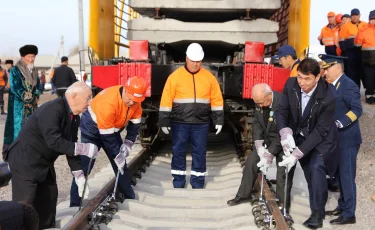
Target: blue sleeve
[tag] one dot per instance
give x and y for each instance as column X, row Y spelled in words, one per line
column 352, row 98
column 132, row 131
column 112, row 143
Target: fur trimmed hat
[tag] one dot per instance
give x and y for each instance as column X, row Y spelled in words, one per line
column 9, row 62
column 28, row 49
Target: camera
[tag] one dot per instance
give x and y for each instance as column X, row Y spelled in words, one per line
column 5, row 174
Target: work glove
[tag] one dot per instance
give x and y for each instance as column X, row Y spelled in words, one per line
column 287, row 140
column 291, row 160
column 86, row 149
column 218, row 128
column 265, row 162
column 165, row 129
column 259, row 147
column 80, row 181
column 126, row 148
column 120, row 162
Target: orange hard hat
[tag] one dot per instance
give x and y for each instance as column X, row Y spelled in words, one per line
column 136, row 88
column 331, row 14
column 338, row 18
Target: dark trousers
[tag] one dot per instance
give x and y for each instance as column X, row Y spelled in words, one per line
column 250, row 175
column 182, row 135
column 2, row 88
column 330, row 50
column 369, row 78
column 347, row 172
column 354, row 66
column 315, row 173
column 124, row 185
column 60, row 92
column 42, row 196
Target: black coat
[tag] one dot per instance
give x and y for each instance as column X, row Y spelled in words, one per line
column 63, row 77
column 317, row 122
column 268, row 132
column 48, row 133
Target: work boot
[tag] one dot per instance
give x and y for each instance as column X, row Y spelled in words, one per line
column 315, row 221
column 237, row 200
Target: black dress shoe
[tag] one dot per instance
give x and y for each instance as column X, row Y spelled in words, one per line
column 343, row 220
column 315, row 220
column 238, row 200
column 336, row 212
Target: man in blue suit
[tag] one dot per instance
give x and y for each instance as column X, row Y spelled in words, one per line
column 348, row 110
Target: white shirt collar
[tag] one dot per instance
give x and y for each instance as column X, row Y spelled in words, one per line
column 311, row 92
column 335, row 82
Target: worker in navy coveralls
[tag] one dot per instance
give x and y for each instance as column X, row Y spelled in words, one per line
column 348, row 110
column 305, row 120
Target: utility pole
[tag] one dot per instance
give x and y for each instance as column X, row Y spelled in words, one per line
column 62, row 46
column 81, row 40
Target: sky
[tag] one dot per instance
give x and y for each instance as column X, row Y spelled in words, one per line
column 43, row 22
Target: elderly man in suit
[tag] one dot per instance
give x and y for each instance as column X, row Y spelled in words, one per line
column 305, row 120
column 348, row 110
column 267, row 146
column 49, row 132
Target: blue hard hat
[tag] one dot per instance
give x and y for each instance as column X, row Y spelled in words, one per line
column 284, row 51
column 330, row 60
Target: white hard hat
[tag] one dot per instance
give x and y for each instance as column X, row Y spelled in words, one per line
column 195, row 52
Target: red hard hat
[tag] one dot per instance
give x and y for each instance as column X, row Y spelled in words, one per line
column 338, row 18
column 136, row 88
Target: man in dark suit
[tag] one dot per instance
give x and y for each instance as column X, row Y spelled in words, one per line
column 63, row 77
column 348, row 110
column 267, row 146
column 305, row 117
column 49, row 132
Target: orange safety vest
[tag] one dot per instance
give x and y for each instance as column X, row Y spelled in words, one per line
column 366, row 39
column 348, row 33
column 294, row 72
column 328, row 35
column 191, row 98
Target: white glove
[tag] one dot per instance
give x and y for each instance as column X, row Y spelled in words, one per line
column 287, row 141
column 86, row 149
column 165, row 129
column 259, row 147
column 263, row 165
column 120, row 162
column 218, row 128
column 80, row 181
column 288, row 162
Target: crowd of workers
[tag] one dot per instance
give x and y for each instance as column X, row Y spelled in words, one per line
column 313, row 121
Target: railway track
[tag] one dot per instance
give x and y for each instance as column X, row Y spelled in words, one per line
column 159, row 206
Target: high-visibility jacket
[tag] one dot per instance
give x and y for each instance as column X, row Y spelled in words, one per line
column 328, row 35
column 337, row 42
column 293, row 72
column 107, row 116
column 3, row 77
column 366, row 39
column 348, row 33
column 191, row 98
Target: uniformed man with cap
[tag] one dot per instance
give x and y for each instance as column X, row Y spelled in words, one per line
column 288, row 59
column 190, row 99
column 348, row 110
column 23, row 93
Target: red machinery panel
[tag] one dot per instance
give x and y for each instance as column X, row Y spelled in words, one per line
column 263, row 73
column 138, row 50
column 111, row 75
column 254, row 52
column 136, row 69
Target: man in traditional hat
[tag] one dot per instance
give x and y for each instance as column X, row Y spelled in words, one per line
column 23, row 93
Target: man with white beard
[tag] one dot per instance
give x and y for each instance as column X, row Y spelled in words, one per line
column 23, row 93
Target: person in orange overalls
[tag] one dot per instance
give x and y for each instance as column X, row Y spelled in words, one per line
column 328, row 35
column 3, row 84
column 110, row 112
column 347, row 35
column 366, row 40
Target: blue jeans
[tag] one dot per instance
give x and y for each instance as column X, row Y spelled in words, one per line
column 182, row 135
column 123, row 181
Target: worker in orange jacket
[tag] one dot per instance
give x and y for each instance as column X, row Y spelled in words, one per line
column 339, row 23
column 366, row 40
column 109, row 113
column 328, row 35
column 3, row 85
column 190, row 99
column 347, row 35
